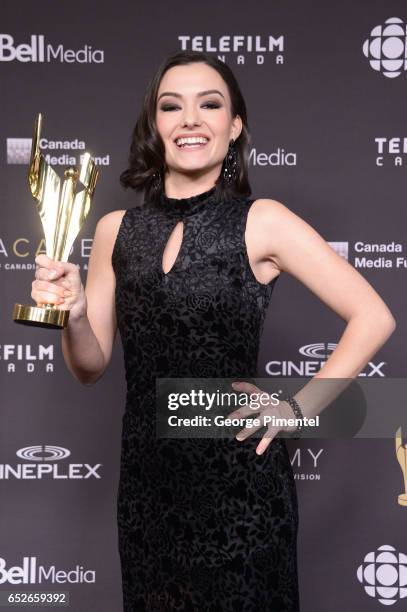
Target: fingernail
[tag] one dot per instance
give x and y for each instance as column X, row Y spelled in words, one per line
column 52, row 274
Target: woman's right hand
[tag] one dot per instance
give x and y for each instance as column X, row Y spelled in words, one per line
column 59, row 283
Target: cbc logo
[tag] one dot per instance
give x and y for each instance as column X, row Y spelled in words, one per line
column 383, row 575
column 43, row 453
column 386, row 48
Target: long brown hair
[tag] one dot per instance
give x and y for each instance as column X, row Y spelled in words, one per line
column 147, row 150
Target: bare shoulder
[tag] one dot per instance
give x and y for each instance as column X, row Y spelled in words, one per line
column 106, row 232
column 273, row 219
column 111, row 221
column 267, row 220
column 269, row 210
column 271, row 229
column 108, row 226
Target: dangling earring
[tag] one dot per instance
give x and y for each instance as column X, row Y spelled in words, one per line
column 156, row 180
column 231, row 164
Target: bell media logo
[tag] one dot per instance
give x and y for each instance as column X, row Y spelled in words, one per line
column 38, row 50
column 386, row 47
column 32, row 572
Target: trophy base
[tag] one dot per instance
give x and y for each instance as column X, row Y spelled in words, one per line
column 40, row 316
column 403, row 499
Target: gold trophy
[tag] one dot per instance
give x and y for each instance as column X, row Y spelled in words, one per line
column 401, row 453
column 63, row 212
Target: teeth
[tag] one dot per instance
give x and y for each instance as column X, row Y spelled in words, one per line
column 191, row 140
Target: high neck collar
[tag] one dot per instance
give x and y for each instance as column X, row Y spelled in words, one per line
column 184, row 207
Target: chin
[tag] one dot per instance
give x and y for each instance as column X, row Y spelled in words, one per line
column 193, row 169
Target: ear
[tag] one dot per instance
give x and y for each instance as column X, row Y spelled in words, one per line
column 237, row 126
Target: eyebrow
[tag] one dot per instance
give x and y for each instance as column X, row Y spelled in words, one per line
column 201, row 93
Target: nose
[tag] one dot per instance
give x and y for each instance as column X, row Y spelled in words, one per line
column 190, row 123
column 190, row 117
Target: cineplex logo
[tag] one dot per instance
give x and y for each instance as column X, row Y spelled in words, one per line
column 39, row 51
column 30, row 572
column 40, row 463
column 317, row 354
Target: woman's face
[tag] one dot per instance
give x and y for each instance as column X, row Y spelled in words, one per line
column 184, row 110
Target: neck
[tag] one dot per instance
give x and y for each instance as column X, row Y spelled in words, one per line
column 181, row 185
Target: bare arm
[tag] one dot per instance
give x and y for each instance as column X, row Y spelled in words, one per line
column 278, row 241
column 87, row 342
column 287, row 243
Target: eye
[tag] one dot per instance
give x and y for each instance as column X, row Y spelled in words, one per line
column 212, row 104
column 170, row 107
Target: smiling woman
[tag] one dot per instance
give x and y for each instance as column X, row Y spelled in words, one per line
column 211, row 524
column 211, row 108
column 195, row 309
column 192, row 95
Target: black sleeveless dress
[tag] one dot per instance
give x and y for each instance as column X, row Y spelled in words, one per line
column 204, row 525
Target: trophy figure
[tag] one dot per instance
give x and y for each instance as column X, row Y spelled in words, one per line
column 401, row 453
column 63, row 211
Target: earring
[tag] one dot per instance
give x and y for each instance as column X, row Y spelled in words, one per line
column 156, row 180
column 231, row 164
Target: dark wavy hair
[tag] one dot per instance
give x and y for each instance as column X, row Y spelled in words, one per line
column 147, row 150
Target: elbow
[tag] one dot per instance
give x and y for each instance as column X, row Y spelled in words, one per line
column 392, row 324
column 87, row 383
column 86, row 378
column 382, row 319
column 389, row 321
column 90, row 381
column 380, row 323
column 388, row 324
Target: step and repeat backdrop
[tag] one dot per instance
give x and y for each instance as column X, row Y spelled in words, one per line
column 325, row 86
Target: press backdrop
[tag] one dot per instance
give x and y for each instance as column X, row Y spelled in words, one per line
column 325, row 86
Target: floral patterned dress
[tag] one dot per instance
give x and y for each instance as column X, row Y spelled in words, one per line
column 204, row 525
